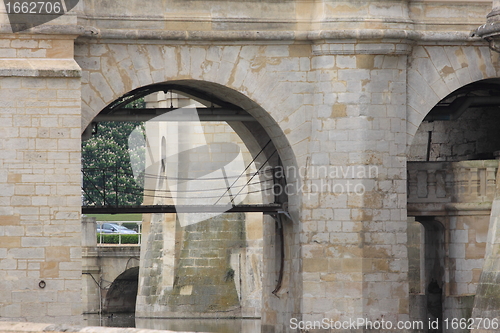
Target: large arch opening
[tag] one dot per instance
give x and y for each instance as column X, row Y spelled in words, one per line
column 462, row 126
column 217, row 267
column 452, row 168
column 121, row 296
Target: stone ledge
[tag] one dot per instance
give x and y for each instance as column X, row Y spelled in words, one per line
column 47, row 29
column 449, row 209
column 316, row 35
column 18, row 327
column 39, row 68
column 252, row 35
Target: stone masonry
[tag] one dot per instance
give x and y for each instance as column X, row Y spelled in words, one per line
column 40, row 192
column 341, row 88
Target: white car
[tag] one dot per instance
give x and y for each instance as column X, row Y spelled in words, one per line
column 113, row 228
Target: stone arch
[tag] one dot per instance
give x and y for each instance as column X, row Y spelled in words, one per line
column 122, row 294
column 437, row 71
column 259, row 79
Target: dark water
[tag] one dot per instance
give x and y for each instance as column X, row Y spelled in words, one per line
column 189, row 325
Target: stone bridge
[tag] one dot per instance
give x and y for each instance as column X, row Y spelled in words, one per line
column 110, row 273
column 338, row 88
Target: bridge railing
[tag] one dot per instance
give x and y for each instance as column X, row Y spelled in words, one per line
column 119, row 238
column 451, row 182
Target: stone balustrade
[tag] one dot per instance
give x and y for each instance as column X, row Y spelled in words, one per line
column 441, row 186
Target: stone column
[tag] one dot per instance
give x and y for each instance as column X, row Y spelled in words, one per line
column 40, row 193
column 89, row 231
column 194, row 270
column 354, row 220
column 91, row 293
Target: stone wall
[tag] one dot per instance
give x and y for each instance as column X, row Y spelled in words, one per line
column 472, row 136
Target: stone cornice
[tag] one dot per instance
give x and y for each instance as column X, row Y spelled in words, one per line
column 39, row 68
column 49, row 29
column 357, row 34
column 233, row 36
column 324, row 42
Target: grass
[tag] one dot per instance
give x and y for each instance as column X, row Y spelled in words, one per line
column 116, row 217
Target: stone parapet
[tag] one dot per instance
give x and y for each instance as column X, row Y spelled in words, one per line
column 285, row 15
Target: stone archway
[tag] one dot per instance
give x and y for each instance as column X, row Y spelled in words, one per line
column 259, row 79
column 122, row 294
column 437, row 71
column 153, row 292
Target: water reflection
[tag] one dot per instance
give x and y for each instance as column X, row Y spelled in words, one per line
column 179, row 325
column 115, row 320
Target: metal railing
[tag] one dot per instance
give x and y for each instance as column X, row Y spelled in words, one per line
column 103, row 236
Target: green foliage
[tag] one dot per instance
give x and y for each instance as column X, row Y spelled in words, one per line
column 108, row 178
column 138, row 103
column 108, row 163
column 115, row 238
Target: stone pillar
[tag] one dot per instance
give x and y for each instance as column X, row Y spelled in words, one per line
column 416, row 271
column 40, row 193
column 487, row 299
column 354, row 220
column 89, row 231
column 91, row 293
column 196, row 270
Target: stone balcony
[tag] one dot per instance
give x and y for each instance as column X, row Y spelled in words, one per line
column 438, row 188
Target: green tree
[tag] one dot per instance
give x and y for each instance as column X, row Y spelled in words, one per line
column 108, row 178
